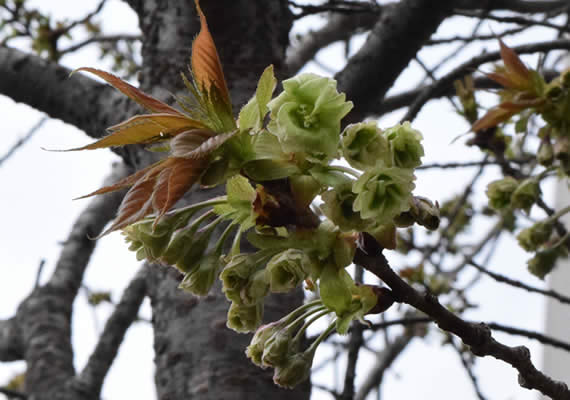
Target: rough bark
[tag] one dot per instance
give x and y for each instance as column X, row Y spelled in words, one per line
column 392, row 43
column 197, row 356
column 47, row 86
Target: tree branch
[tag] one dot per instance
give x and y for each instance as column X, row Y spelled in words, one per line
column 47, row 87
column 397, row 37
column 521, row 6
column 11, row 346
column 477, row 336
column 383, row 362
column 44, row 318
column 339, row 27
column 90, row 380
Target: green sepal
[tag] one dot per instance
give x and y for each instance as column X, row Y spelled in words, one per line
column 329, row 177
column 335, row 289
column 270, row 170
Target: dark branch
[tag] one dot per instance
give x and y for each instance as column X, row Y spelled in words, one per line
column 477, row 336
column 512, row 282
column 20, row 142
column 47, row 87
column 90, row 380
column 339, row 27
column 384, row 361
column 397, row 37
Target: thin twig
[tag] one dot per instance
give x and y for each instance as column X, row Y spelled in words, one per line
column 515, row 283
column 23, row 139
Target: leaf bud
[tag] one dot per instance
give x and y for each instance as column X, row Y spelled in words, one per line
column 297, row 369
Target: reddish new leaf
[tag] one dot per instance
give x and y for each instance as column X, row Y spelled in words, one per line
column 518, row 72
column 174, row 181
column 198, row 143
column 143, row 129
column 125, row 182
column 136, row 205
column 145, row 100
column 187, row 142
column 493, row 118
column 206, row 65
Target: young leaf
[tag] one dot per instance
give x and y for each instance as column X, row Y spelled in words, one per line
column 143, row 129
column 518, row 72
column 253, row 113
column 123, row 183
column 206, row 65
column 145, row 100
column 184, row 146
column 173, row 181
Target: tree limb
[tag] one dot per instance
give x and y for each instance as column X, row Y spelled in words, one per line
column 397, row 37
column 338, row 27
column 383, row 362
column 44, row 318
column 477, row 336
column 11, row 346
column 47, row 87
column 90, row 380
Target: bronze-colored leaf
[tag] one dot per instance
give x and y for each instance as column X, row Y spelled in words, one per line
column 174, row 181
column 516, row 68
column 123, row 183
column 186, row 142
column 142, row 129
column 206, row 65
column 502, row 79
column 145, row 100
column 187, row 150
column 136, row 205
column 492, row 118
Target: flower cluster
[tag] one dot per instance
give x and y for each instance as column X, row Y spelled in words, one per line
column 277, row 160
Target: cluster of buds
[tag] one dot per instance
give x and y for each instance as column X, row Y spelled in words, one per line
column 510, row 193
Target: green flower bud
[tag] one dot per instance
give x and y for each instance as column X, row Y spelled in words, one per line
column 405, row 141
column 364, row 147
column 153, row 239
column 287, row 270
column 296, row 370
column 199, row 280
column 383, row 193
column 306, row 116
column 532, row 238
column 526, row 194
column 256, row 288
column 543, row 262
column 500, row 192
column 545, row 155
column 277, row 348
column 257, row 345
column 244, row 319
column 236, row 275
column 338, row 206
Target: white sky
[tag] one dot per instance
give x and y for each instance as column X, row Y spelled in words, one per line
column 38, row 213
